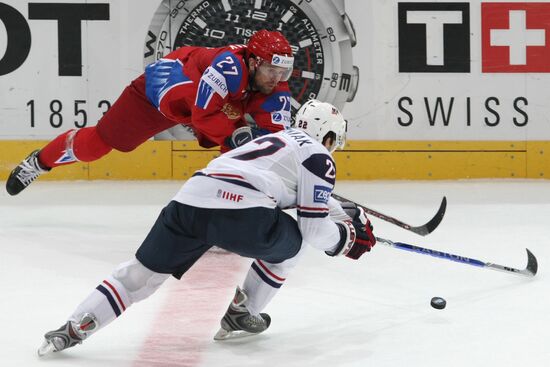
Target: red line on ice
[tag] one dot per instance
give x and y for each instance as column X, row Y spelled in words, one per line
column 186, row 323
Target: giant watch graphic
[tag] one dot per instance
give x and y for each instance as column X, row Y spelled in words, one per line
column 319, row 31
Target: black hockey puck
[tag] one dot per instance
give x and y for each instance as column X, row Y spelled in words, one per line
column 438, row 302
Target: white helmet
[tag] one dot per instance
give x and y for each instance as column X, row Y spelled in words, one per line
column 318, row 118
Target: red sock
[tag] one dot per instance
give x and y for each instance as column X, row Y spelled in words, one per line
column 83, row 145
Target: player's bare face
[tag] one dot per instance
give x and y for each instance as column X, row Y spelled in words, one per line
column 267, row 76
column 265, row 84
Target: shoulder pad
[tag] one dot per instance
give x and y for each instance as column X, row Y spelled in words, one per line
column 230, row 66
column 323, row 166
column 278, row 105
column 278, row 101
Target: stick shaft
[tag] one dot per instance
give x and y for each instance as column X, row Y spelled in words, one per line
column 529, row 271
column 422, row 230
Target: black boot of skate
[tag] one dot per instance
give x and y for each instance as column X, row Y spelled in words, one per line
column 25, row 173
column 238, row 322
column 68, row 335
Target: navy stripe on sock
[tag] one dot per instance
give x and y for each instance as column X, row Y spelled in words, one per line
column 264, row 277
column 110, row 298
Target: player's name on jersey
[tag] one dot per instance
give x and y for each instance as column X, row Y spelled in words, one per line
column 300, row 137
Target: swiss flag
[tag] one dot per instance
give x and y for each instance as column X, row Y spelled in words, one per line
column 515, row 37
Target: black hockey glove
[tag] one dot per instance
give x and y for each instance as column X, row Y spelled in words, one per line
column 240, row 136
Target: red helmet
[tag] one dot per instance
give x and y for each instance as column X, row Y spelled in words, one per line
column 272, row 47
column 266, row 43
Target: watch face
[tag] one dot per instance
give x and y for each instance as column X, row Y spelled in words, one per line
column 217, row 23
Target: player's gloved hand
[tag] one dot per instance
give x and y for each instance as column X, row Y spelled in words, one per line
column 240, row 136
column 356, row 234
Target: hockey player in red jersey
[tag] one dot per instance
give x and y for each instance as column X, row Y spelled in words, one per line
column 237, row 203
column 207, row 89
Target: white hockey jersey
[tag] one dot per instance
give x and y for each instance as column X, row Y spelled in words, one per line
column 287, row 169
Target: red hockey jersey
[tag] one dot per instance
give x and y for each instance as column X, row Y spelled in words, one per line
column 207, row 88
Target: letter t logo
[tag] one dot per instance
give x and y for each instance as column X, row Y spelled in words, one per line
column 434, row 37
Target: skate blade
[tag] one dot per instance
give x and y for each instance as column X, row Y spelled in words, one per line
column 223, row 334
column 46, row 348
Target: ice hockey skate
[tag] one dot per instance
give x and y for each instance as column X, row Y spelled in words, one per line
column 25, row 173
column 238, row 322
column 68, row 335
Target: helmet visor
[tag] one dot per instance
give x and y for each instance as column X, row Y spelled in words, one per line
column 341, row 137
column 281, row 74
column 340, row 141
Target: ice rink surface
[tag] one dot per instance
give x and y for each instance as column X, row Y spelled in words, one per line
column 59, row 240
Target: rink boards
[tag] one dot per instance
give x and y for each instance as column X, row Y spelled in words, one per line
column 361, row 160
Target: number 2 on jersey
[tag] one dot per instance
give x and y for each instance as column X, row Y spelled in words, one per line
column 331, row 172
column 274, row 144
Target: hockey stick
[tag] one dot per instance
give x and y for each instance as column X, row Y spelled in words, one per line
column 529, row 271
column 421, row 230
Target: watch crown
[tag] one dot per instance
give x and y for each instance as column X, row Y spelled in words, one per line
column 350, row 29
column 354, row 84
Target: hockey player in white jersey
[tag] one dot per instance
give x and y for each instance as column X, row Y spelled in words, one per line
column 236, row 203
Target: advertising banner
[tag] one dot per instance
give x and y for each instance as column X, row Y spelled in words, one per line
column 399, row 70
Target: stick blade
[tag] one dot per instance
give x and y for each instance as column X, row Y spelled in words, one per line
column 434, row 222
column 532, row 264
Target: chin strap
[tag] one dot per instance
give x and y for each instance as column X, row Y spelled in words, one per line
column 252, row 77
column 252, row 80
